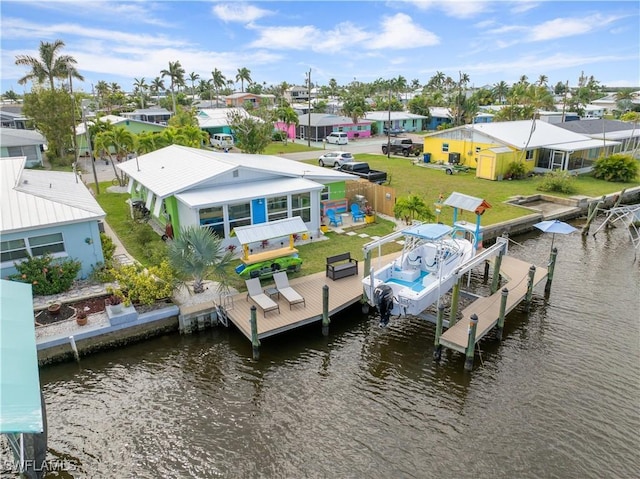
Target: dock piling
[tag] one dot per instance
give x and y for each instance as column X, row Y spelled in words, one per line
column 325, row 310
column 437, row 353
column 471, row 343
column 455, row 296
column 496, row 272
column 255, row 342
column 552, row 266
column 485, row 276
column 530, row 283
column 74, row 348
column 503, row 307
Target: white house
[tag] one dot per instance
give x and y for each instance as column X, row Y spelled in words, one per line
column 17, row 142
column 184, row 186
column 46, row 212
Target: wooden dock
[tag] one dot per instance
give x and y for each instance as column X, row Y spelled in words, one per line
column 488, row 308
column 342, row 294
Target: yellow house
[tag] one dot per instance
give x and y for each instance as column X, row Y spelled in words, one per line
column 537, row 146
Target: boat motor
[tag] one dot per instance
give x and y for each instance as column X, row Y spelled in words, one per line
column 383, row 299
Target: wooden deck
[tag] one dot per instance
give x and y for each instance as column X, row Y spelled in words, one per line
column 342, row 294
column 488, row 308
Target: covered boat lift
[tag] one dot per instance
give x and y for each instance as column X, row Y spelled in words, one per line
column 22, row 416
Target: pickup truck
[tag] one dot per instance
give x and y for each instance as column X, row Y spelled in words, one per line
column 362, row 170
column 403, row 146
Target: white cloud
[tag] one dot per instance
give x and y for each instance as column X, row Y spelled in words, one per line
column 239, row 12
column 400, row 32
column 567, row 27
column 451, row 8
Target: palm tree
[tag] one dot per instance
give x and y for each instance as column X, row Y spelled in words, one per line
column 193, row 77
column 412, row 207
column 219, row 81
column 289, row 117
column 176, row 75
column 542, row 80
column 500, row 91
column 157, row 85
column 141, row 87
column 50, row 66
column 196, row 254
column 243, row 75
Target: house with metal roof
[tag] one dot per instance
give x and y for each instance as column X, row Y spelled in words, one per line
column 626, row 133
column 182, row 186
column 131, row 125
column 150, row 115
column 541, row 147
column 400, row 120
column 28, row 143
column 47, row 212
column 319, row 125
column 216, row 120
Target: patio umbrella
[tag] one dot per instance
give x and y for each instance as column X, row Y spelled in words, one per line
column 555, row 226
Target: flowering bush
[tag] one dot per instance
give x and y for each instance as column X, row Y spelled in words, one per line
column 47, row 275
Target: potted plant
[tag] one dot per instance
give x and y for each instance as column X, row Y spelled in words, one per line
column 81, row 317
column 54, row 308
column 117, row 300
column 369, row 214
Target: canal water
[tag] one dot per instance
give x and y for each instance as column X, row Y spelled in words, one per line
column 558, row 398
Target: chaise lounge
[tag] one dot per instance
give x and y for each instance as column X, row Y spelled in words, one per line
column 290, row 294
column 257, row 295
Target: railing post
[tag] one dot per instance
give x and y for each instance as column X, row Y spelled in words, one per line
column 437, row 353
column 503, row 307
column 455, row 296
column 471, row 344
column 255, row 342
column 552, row 267
column 532, row 272
column 485, row 276
column 325, row 310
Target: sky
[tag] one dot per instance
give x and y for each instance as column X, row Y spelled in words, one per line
column 490, row 41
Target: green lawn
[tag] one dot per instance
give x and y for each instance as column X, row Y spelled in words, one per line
column 279, row 148
column 427, row 183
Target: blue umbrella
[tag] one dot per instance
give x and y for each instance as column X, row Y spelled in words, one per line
column 555, row 226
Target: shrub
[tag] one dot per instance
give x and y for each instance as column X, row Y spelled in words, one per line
column 145, row 285
column 515, row 170
column 108, row 248
column 46, row 274
column 557, row 182
column 278, row 136
column 616, row 168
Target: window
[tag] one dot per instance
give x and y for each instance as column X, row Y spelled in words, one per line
column 324, row 194
column 301, row 206
column 445, row 147
column 213, row 218
column 277, row 208
column 529, row 155
column 13, row 250
column 239, row 215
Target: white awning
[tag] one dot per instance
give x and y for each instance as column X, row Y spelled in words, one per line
column 273, row 229
column 581, row 145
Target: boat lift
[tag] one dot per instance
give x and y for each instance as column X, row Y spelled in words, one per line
column 629, row 216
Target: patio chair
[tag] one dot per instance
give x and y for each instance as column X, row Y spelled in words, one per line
column 257, row 295
column 356, row 212
column 333, row 218
column 290, row 294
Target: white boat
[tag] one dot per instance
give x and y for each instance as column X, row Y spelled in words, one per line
column 421, row 274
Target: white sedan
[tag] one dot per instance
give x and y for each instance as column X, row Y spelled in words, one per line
column 335, row 158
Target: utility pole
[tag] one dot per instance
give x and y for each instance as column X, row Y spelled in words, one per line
column 309, row 111
column 389, row 126
column 91, row 158
column 73, row 132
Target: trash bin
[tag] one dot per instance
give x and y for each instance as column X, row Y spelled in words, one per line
column 427, row 157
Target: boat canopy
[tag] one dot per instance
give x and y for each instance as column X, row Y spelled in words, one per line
column 19, row 379
column 272, row 229
column 428, row 231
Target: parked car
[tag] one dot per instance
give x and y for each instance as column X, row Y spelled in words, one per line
column 394, row 131
column 361, row 169
column 335, row 158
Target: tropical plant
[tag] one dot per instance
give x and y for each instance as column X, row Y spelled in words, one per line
column 140, row 88
column 197, row 254
column 288, row 116
column 252, row 134
column 47, row 275
column 50, row 66
column 616, row 168
column 412, row 207
column 516, row 170
column 175, row 72
column 219, row 81
column 144, row 285
column 244, row 74
column 558, row 182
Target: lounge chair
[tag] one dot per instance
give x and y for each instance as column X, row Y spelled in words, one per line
column 286, row 291
column 333, row 218
column 257, row 295
column 356, row 212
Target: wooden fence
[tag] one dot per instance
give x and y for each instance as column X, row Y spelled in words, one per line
column 381, row 198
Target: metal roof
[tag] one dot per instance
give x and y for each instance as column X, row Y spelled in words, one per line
column 175, row 169
column 467, row 203
column 395, row 116
column 217, row 117
column 114, row 120
column 17, row 137
column 32, row 199
column 582, row 145
column 272, row 229
column 19, row 378
column 597, row 128
column 428, row 231
column 215, row 195
column 325, row 119
column 525, row 133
